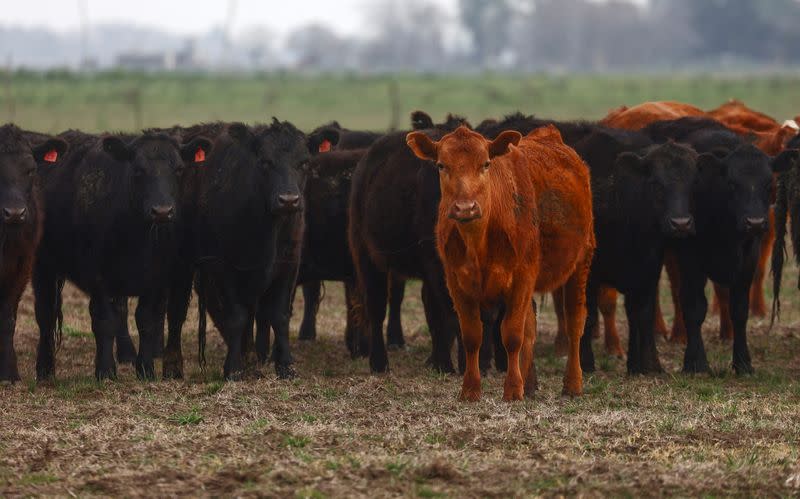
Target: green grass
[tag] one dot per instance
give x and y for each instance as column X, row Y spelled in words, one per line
column 119, row 101
column 192, row 417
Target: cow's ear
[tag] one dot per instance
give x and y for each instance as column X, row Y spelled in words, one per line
column 499, row 146
column 196, row 151
column 784, row 161
column 420, row 120
column 50, row 150
column 422, row 146
column 240, row 133
column 117, row 148
column 631, row 162
column 323, row 140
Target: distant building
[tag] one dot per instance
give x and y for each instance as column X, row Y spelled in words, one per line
column 137, row 61
column 185, row 59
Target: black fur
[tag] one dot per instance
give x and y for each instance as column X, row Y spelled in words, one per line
column 21, row 215
column 110, row 227
column 731, row 200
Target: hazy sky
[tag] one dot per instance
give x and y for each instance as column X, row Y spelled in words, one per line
column 191, row 16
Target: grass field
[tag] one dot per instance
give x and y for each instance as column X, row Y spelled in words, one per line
column 338, row 431
column 115, row 101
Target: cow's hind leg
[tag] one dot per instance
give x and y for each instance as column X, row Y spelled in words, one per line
column 47, row 304
column 607, row 303
column 575, row 301
column 758, row 306
column 126, row 352
column 355, row 336
column 723, row 298
column 374, row 293
column 527, row 360
column 180, row 294
column 561, row 344
column 104, row 320
column 394, row 328
column 148, row 313
column 311, row 299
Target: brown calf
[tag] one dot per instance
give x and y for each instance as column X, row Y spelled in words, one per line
column 515, row 218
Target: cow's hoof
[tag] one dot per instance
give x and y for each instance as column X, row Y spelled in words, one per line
column 285, row 371
column 145, row 371
column 9, row 376
column 471, row 395
column 394, row 347
column 172, row 371
column 126, row 352
column 743, row 368
column 109, row 373
column 512, row 393
column 696, row 366
column 307, row 334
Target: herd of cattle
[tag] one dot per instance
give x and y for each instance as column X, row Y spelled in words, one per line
column 485, row 217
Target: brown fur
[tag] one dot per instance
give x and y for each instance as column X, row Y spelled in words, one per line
column 534, row 234
column 637, row 117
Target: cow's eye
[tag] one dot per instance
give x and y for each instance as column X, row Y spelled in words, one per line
column 31, row 172
column 440, row 166
column 487, row 165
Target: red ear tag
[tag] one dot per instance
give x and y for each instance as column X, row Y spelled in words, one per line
column 51, row 156
column 325, row 146
column 199, row 156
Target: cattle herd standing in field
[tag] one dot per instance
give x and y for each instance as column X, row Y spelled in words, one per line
column 485, row 217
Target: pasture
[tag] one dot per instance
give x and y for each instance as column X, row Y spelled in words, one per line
column 338, row 431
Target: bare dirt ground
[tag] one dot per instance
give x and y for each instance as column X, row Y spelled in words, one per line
column 339, row 431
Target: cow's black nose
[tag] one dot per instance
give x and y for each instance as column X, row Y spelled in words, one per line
column 681, row 224
column 14, row 215
column 289, row 200
column 755, row 223
column 162, row 213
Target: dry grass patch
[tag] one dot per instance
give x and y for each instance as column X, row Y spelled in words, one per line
column 339, row 431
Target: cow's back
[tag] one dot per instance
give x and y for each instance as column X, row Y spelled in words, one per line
column 637, row 117
column 564, row 205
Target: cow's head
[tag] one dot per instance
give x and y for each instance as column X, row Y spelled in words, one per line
column 464, row 159
column 18, row 167
column 282, row 153
column 156, row 163
column 663, row 177
column 740, row 181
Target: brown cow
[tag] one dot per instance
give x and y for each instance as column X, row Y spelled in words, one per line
column 637, row 117
column 515, row 218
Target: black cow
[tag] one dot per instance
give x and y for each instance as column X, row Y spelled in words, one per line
column 393, row 209
column 21, row 214
column 787, row 208
column 248, row 232
column 348, row 139
column 109, row 228
column 640, row 199
column 328, row 193
column 731, row 208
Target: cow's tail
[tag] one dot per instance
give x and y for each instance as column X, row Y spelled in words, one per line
column 201, row 325
column 779, row 248
column 59, row 332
